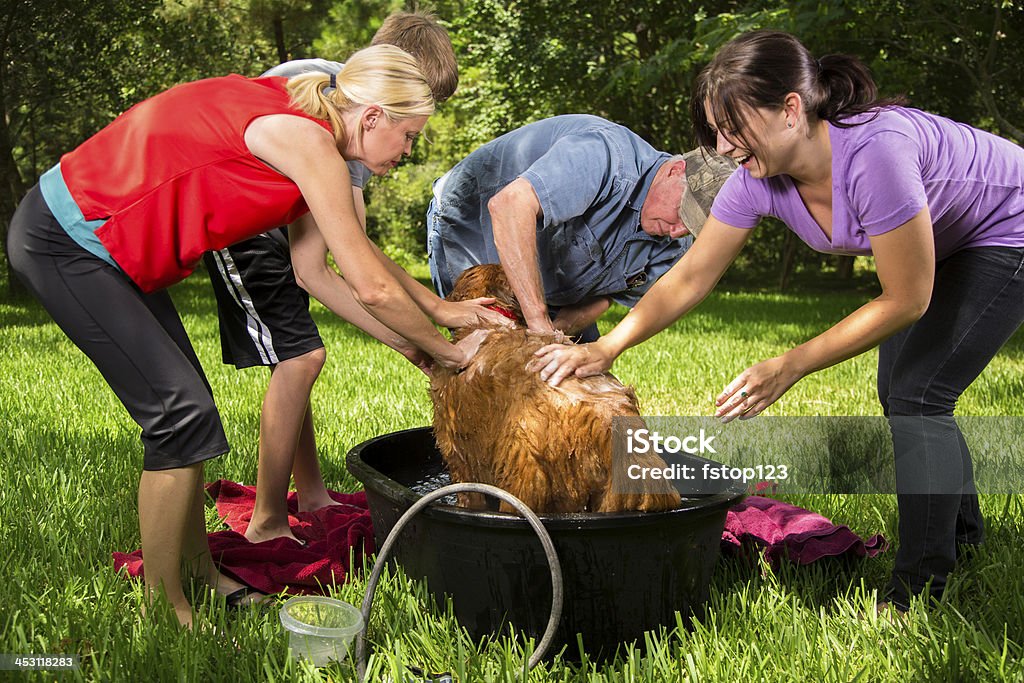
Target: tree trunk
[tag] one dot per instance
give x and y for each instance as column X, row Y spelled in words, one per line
column 844, row 267
column 282, row 51
column 788, row 260
column 11, row 191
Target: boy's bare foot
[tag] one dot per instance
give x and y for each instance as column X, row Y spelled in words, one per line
column 891, row 613
column 257, row 533
column 317, row 502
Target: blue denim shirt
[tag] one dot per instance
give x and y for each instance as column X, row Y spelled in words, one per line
column 591, row 177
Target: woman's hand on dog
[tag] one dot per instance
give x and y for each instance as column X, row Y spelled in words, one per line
column 469, row 313
column 470, row 344
column 555, row 362
column 417, row 357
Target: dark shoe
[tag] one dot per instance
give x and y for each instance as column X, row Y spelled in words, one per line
column 245, row 598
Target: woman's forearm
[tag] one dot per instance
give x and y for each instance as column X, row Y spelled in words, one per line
column 864, row 329
column 679, row 290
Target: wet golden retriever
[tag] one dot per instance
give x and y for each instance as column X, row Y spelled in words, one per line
column 498, row 423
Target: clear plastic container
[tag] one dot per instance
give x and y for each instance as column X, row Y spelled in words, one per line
column 320, row 629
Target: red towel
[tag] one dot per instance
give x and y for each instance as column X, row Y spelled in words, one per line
column 331, row 535
column 787, row 531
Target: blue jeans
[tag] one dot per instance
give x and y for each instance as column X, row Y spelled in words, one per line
column 977, row 304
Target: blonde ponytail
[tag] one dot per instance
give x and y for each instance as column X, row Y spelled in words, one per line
column 383, row 75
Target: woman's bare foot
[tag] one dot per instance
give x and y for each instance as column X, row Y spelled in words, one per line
column 184, row 615
column 182, row 610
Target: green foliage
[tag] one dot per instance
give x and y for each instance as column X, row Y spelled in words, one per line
column 350, row 26
column 960, row 59
column 397, row 209
column 68, row 67
column 621, row 60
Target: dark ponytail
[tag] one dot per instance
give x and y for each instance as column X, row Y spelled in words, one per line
column 847, row 90
column 758, row 69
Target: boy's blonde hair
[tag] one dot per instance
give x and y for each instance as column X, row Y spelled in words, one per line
column 419, row 34
column 383, row 75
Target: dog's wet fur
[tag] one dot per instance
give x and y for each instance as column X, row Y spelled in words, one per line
column 498, row 423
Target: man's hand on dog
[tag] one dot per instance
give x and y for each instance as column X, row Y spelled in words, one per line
column 555, row 362
column 472, row 312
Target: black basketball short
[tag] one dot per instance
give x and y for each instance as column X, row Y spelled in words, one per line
column 264, row 314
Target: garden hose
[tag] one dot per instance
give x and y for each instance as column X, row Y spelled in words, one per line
column 487, row 489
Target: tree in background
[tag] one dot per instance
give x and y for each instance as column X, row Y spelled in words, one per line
column 633, row 62
column 68, row 67
column 290, row 26
column 52, row 69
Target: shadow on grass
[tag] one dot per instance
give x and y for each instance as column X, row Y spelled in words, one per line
column 24, row 313
column 754, row 307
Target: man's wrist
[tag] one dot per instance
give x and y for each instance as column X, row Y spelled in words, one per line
column 537, row 320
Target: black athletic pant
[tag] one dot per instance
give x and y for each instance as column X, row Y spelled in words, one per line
column 977, row 304
column 136, row 340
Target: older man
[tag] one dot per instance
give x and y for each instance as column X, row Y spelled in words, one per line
column 580, row 211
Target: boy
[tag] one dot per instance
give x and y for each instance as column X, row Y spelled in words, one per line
column 264, row 310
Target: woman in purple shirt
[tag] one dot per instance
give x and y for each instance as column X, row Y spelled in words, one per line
column 940, row 206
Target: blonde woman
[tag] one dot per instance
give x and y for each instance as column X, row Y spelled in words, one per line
column 263, row 308
column 196, row 168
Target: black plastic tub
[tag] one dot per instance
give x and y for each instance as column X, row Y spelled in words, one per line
column 624, row 573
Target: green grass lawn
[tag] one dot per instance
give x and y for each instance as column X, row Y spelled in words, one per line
column 72, row 459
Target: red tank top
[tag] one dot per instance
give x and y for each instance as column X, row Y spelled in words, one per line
column 174, row 179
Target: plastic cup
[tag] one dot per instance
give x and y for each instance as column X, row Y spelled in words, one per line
column 320, row 629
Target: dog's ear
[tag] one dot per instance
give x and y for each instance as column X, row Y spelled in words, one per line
column 465, row 285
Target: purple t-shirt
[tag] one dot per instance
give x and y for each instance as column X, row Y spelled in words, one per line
column 888, row 169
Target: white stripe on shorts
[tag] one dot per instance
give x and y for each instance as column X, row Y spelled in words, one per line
column 258, row 330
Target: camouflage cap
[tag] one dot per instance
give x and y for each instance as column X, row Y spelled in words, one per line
column 706, row 172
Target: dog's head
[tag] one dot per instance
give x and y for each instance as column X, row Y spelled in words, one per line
column 488, row 280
